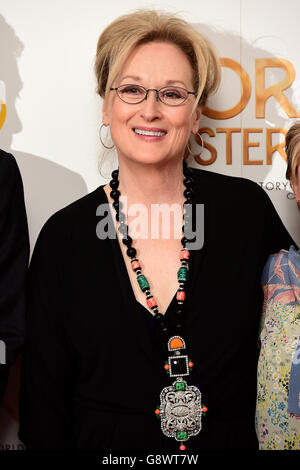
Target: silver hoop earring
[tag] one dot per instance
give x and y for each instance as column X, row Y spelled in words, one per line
column 109, row 148
column 202, row 146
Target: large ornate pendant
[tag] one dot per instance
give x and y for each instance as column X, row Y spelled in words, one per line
column 180, row 410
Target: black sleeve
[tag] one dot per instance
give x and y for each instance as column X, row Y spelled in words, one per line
column 46, row 369
column 14, row 256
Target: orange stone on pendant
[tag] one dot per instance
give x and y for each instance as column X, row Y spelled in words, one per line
column 176, row 343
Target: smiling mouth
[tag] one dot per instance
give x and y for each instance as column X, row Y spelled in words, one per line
column 150, row 133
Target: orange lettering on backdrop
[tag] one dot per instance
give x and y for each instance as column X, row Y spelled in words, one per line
column 273, row 148
column 213, row 152
column 247, row 144
column 2, row 113
column 262, row 94
column 228, row 131
column 246, row 92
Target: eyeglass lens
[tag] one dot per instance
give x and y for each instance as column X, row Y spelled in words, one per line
column 168, row 95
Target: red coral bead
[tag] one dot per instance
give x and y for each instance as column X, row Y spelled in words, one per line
column 151, row 302
column 166, row 366
column 157, row 412
column 204, row 409
column 135, row 265
column 182, row 447
column 180, row 295
column 184, row 254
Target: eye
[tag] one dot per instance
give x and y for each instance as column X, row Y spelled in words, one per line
column 131, row 90
column 172, row 93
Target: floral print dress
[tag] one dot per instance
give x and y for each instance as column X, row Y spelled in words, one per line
column 276, row 426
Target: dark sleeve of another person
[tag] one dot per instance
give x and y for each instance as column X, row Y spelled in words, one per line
column 14, row 256
column 46, row 366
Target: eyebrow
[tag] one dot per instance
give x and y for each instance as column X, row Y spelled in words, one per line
column 139, row 79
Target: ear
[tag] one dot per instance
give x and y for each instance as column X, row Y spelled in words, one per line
column 198, row 114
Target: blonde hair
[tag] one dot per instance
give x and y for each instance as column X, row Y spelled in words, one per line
column 127, row 32
column 292, row 148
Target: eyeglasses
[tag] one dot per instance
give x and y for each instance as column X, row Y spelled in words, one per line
column 170, row 95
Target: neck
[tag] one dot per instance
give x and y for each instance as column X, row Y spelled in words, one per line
column 152, row 184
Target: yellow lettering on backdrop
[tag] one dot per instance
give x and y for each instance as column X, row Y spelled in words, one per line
column 228, row 131
column 262, row 94
column 273, row 148
column 2, row 113
column 245, row 96
column 247, row 144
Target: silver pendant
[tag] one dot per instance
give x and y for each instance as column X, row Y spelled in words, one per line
column 180, row 410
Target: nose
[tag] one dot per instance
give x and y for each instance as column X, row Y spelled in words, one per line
column 151, row 106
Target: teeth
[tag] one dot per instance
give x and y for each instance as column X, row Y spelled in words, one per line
column 158, row 134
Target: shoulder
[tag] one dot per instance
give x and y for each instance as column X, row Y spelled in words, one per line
column 9, row 170
column 230, row 186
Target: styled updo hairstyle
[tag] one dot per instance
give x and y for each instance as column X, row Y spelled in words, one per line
column 292, row 148
column 129, row 31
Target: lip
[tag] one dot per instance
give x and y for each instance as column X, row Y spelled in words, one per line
column 150, row 138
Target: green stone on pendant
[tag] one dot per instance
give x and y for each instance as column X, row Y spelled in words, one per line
column 143, row 283
column 180, row 386
column 182, row 435
column 182, row 274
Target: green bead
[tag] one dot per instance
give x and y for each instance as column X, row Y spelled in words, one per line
column 144, row 284
column 180, row 386
column 182, row 274
column 182, row 435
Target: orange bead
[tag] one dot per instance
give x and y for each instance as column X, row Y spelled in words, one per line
column 204, row 409
column 166, row 366
column 191, row 364
column 151, row 302
column 135, row 265
column 180, row 295
column 157, row 412
column 182, row 447
column 184, row 254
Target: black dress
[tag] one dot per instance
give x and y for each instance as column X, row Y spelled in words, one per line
column 14, row 257
column 93, row 364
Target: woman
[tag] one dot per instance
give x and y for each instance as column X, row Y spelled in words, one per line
column 99, row 370
column 278, row 399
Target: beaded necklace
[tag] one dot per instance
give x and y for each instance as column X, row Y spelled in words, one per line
column 180, row 409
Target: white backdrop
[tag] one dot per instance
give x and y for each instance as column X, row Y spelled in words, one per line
column 53, row 115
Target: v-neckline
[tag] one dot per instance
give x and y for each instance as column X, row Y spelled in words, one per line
column 125, row 271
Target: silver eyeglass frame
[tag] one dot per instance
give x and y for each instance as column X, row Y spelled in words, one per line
column 156, row 91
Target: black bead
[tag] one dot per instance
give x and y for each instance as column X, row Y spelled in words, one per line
column 188, row 201
column 188, row 193
column 114, row 184
column 115, row 174
column 187, row 171
column 115, row 194
column 116, row 205
column 123, row 229
column 131, row 252
column 188, row 182
column 158, row 316
column 127, row 241
column 184, row 241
